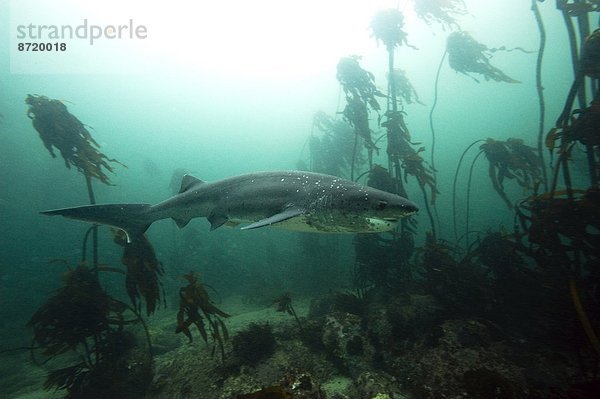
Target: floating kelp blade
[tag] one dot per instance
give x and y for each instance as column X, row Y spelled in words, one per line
column 60, row 129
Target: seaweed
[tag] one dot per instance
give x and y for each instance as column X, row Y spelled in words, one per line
column 142, row 278
column 334, row 151
column 194, row 299
column 403, row 88
column 512, row 159
column 466, row 55
column 60, row 129
column 283, row 303
column 82, row 318
column 440, row 11
column 387, row 26
column 357, row 82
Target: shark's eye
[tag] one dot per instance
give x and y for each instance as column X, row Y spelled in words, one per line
column 381, row 205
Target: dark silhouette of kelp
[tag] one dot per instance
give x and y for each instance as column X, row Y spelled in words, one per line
column 193, row 299
column 60, row 129
column 466, row 55
column 440, row 11
column 283, row 303
column 142, row 279
column 82, row 318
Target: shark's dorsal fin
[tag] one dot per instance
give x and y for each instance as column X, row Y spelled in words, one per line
column 278, row 217
column 188, row 181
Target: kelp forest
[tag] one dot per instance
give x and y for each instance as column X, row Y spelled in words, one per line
column 534, row 281
column 437, row 308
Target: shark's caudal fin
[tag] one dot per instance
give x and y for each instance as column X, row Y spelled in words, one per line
column 133, row 219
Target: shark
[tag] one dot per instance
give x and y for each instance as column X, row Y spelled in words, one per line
column 291, row 200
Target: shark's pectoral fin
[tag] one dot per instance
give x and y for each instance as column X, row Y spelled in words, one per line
column 278, row 217
column 217, row 221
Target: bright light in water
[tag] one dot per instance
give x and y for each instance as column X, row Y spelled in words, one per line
column 258, row 38
column 274, row 38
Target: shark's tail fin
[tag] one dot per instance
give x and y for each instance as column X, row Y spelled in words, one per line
column 133, row 219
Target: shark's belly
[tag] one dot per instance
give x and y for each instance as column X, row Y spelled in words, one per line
column 310, row 224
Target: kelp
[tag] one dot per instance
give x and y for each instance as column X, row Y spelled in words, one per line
column 387, row 26
column 556, row 225
column 82, row 318
column 59, row 129
column 333, row 151
column 142, row 279
column 512, row 159
column 590, row 56
column 457, row 281
column 583, row 126
column 79, row 311
column 403, row 88
column 194, row 299
column 357, row 82
column 357, row 115
column 359, row 87
column 283, row 303
column 466, row 55
column 440, row 11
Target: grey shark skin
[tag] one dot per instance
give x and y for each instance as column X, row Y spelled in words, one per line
column 293, row 200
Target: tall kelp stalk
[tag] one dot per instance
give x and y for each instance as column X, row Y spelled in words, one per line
column 540, row 88
column 561, row 226
column 82, row 318
column 86, row 325
column 361, row 92
column 557, row 228
column 403, row 160
column 468, row 56
column 334, row 151
column 60, row 129
column 586, row 65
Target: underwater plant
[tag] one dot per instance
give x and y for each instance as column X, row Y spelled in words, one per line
column 283, row 303
column 556, row 225
column 457, row 281
column 387, row 26
column 440, row 11
column 334, row 151
column 194, row 299
column 403, row 88
column 512, row 159
column 143, row 271
column 466, row 55
column 359, row 87
column 590, row 56
column 402, row 158
column 357, row 82
column 60, row 129
column 82, row 318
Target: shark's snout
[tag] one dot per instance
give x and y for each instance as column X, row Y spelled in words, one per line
column 411, row 207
